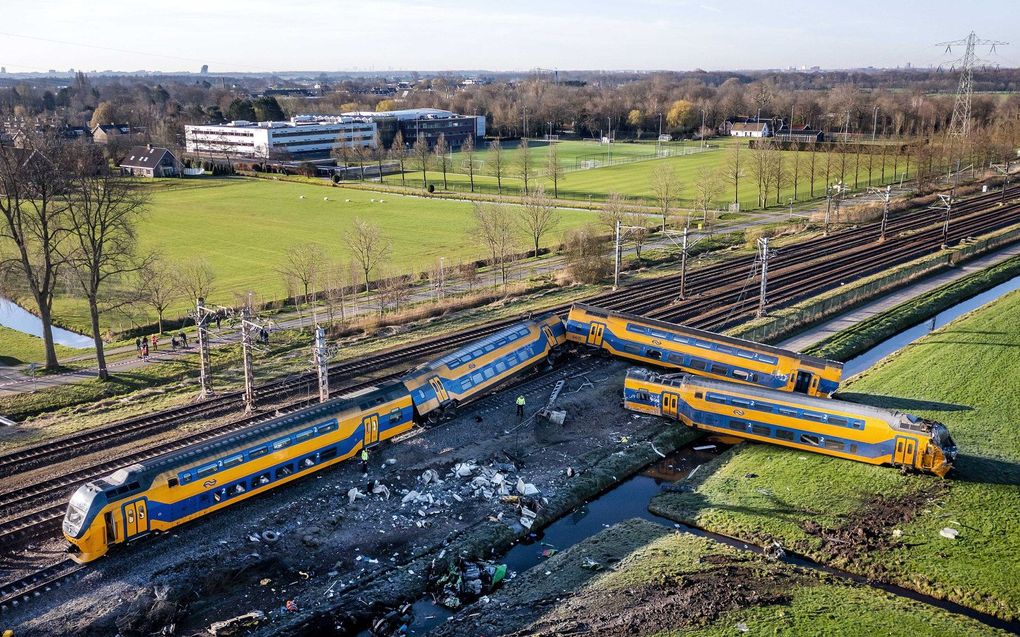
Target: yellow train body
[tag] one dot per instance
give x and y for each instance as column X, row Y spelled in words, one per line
column 832, row 427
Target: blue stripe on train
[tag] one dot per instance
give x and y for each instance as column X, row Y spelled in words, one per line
column 172, row 511
column 865, row 450
column 768, row 381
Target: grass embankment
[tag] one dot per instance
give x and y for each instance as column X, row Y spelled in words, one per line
column 639, row 578
column 17, row 348
column 872, row 331
column 875, row 521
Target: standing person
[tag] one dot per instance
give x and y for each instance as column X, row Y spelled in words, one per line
column 145, row 349
column 138, row 346
column 219, row 317
column 155, row 343
column 184, row 340
column 173, row 342
column 520, row 407
column 364, row 462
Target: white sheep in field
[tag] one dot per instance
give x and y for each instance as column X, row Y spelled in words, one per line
column 373, row 201
column 301, row 197
column 382, row 201
column 325, row 198
column 347, row 200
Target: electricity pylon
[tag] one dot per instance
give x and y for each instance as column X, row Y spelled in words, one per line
column 960, row 124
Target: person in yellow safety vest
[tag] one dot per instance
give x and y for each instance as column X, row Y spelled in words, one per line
column 520, row 407
column 364, row 461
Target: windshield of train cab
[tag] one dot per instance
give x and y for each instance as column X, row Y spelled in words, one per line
column 78, row 508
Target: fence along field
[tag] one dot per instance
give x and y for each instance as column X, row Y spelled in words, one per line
column 592, row 171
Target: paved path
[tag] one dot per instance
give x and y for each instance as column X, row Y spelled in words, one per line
column 843, row 321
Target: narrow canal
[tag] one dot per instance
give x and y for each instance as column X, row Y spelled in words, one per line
column 18, row 318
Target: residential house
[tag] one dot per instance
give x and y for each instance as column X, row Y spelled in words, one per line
column 103, row 133
column 750, row 129
column 150, row 161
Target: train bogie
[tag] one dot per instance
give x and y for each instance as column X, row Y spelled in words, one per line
column 700, row 352
column 832, row 427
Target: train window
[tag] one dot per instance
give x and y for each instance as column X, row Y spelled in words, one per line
column 172, row 482
column 744, row 354
column 302, row 436
column 723, row 349
column 697, row 363
column 853, row 448
column 786, row 411
column 761, row 430
column 719, row 369
column 836, row 420
column 325, row 429
column 809, row 439
column 466, row 384
column 280, row 444
column 233, row 461
column 260, row 480
column 220, row 495
column 308, row 462
column 258, row 452
column 698, row 394
column 476, row 353
column 716, row 398
column 784, row 434
column 654, row 354
column 395, row 416
column 739, row 373
column 810, row 415
column 740, row 402
column 738, row 425
column 328, row 454
column 207, row 470
column 632, row 349
column 500, row 367
column 239, row 488
column 642, row 396
column 284, row 471
column 489, row 372
column 676, row 358
column 477, row 378
column 835, row 445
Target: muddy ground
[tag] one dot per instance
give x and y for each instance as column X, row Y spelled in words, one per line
column 330, row 550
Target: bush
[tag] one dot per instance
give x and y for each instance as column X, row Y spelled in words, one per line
column 587, row 255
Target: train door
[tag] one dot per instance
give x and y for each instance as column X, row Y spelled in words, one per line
column 595, row 332
column 136, row 519
column 803, row 383
column 437, row 386
column 671, row 405
column 111, row 528
column 906, row 450
column 371, row 424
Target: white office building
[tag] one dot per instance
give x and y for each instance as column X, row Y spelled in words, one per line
column 304, row 136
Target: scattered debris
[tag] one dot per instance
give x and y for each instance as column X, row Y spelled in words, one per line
column 354, row 494
column 742, row 627
column 291, row 606
column 555, row 417
column 463, row 584
column 590, row 564
column 774, row 551
column 270, row 536
column 379, row 488
column 949, row 533
column 693, row 471
column 661, row 455
column 705, row 448
column 750, row 475
column 236, row 625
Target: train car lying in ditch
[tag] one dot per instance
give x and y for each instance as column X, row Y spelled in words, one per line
column 700, row 352
column 172, row 489
column 833, row 427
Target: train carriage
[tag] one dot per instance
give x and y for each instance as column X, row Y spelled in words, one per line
column 172, row 489
column 832, row 427
column 701, row 352
column 441, row 385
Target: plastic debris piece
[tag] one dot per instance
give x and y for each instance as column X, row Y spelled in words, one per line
column 526, row 523
column 590, row 564
column 234, row 625
column 354, row 494
column 704, row 447
column 291, row 606
column 742, row 627
column 269, row 536
column 661, row 455
column 547, row 553
column 897, row 533
column 949, row 533
column 391, row 461
column 265, row 581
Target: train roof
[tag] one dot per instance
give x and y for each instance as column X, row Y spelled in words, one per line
column 770, row 395
column 730, row 340
column 457, row 354
column 146, row 470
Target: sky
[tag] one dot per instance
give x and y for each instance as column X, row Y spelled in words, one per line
column 505, row 35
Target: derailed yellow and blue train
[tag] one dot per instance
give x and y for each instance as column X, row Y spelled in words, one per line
column 832, row 427
column 172, row 489
column 700, row 352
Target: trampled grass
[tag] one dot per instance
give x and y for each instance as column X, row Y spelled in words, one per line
column 964, row 375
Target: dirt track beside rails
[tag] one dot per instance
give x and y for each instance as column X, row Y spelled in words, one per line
column 378, row 550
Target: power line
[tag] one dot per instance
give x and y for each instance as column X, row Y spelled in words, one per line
column 959, row 126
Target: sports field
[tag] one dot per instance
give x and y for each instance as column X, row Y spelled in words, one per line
column 884, row 524
column 633, row 178
column 244, row 228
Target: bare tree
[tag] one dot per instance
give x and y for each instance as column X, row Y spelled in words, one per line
column 398, row 152
column 706, row 188
column 303, row 264
column 497, row 163
column 379, row 153
column 196, row 277
column 493, row 223
column 103, row 212
column 159, row 287
column 666, row 189
column 33, row 182
column 587, row 254
column 735, row 170
column 614, row 210
column 637, row 231
column 420, row 153
column 467, row 149
column 469, row 272
column 554, row 170
column 442, row 151
column 524, row 163
column 336, row 279
column 538, row 216
column 367, row 246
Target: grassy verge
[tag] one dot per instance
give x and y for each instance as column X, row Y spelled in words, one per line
column 18, row 348
column 868, row 333
column 875, row 521
column 639, row 578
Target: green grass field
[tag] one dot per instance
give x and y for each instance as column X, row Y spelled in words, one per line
column 244, row 228
column 17, row 348
column 964, row 375
column 634, row 179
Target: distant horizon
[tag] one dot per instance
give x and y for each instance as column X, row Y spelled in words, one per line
column 439, row 36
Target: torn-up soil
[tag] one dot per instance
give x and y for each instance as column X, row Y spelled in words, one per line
column 870, row 528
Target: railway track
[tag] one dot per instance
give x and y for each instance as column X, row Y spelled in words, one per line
column 38, row 583
column 724, row 305
column 699, row 281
